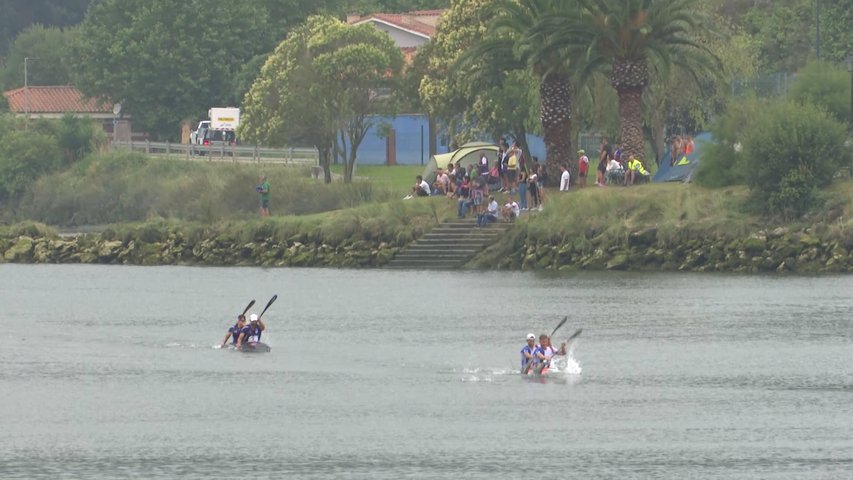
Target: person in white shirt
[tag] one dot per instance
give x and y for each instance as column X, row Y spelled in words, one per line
column 491, row 214
column 510, row 210
column 565, row 178
column 421, row 188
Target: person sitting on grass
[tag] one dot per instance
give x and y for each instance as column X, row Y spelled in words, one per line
column 491, row 214
column 510, row 210
column 442, row 183
column 635, row 169
column 421, row 188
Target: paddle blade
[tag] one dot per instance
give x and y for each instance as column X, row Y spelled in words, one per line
column 575, row 335
column 559, row 325
column 248, row 307
column 268, row 305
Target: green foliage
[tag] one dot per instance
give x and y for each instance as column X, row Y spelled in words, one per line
column 76, row 137
column 722, row 161
column 17, row 15
column 51, row 57
column 25, row 157
column 789, row 151
column 825, row 86
column 130, row 187
column 326, row 75
column 168, row 60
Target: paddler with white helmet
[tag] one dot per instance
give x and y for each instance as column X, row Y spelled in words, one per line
column 251, row 333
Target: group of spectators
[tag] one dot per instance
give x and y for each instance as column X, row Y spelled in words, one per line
column 512, row 174
column 473, row 187
column 614, row 167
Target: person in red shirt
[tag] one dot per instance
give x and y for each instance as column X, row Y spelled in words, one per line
column 583, row 167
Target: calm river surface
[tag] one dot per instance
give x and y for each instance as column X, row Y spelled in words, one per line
column 111, row 372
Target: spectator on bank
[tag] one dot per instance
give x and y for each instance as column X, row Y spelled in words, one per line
column 565, row 178
column 263, row 190
column 635, row 170
column 421, row 188
column 583, row 167
column 522, row 189
column 513, row 162
column 491, row 213
column 441, row 184
column 502, row 161
column 463, row 197
column 677, row 150
column 533, row 187
column 615, row 172
column 689, row 146
column 510, row 210
column 483, row 165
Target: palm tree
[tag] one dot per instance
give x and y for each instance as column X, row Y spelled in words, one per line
column 629, row 40
column 510, row 42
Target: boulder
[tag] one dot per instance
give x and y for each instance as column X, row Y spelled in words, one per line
column 21, row 251
column 618, row 262
column 643, row 238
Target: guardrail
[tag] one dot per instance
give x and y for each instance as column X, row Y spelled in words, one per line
column 230, row 153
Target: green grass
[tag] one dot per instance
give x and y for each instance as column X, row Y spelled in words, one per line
column 398, row 177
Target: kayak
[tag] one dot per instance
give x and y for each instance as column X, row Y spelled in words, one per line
column 259, row 347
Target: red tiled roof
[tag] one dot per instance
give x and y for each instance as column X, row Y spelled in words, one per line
column 421, row 21
column 53, row 99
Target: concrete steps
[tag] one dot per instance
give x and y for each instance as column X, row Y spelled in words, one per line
column 448, row 246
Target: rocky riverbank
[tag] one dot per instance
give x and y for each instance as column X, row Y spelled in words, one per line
column 175, row 249
column 778, row 250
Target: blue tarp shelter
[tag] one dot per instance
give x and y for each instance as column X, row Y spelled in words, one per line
column 683, row 168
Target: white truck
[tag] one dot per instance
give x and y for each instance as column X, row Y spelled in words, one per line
column 220, row 130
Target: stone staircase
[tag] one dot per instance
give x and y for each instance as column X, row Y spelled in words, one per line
column 448, row 246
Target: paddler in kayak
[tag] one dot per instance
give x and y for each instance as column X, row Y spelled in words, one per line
column 545, row 352
column 251, row 333
column 528, row 354
column 234, row 332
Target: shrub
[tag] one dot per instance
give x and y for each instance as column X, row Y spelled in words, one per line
column 722, row 163
column 789, row 151
column 825, row 86
column 25, row 157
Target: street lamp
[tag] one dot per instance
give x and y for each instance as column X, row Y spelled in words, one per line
column 850, row 69
column 27, row 88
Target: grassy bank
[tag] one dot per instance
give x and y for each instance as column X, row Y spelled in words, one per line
column 127, row 187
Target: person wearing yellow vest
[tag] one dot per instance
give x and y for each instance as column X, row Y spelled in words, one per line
column 635, row 167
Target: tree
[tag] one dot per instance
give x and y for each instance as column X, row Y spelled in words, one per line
column 52, row 48
column 825, row 86
column 478, row 97
column 168, row 60
column 512, row 43
column 20, row 14
column 322, row 82
column 627, row 39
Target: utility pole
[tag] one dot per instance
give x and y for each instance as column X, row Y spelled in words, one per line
column 27, row 92
column 817, row 28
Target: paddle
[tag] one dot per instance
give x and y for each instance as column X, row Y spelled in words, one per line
column 562, row 322
column 268, row 306
column 248, row 307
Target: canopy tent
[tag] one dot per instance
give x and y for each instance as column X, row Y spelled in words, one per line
column 468, row 154
column 683, row 168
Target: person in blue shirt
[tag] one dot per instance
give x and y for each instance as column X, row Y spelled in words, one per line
column 528, row 354
column 234, row 332
column 251, row 333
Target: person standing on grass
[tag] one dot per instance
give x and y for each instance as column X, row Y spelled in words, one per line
column 263, row 190
column 565, row 178
column 583, row 167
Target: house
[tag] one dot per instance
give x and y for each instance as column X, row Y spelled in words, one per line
column 413, row 136
column 55, row 101
column 409, row 30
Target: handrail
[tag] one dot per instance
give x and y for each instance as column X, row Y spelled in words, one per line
column 222, row 152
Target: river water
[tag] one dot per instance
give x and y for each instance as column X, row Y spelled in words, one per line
column 111, row 372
